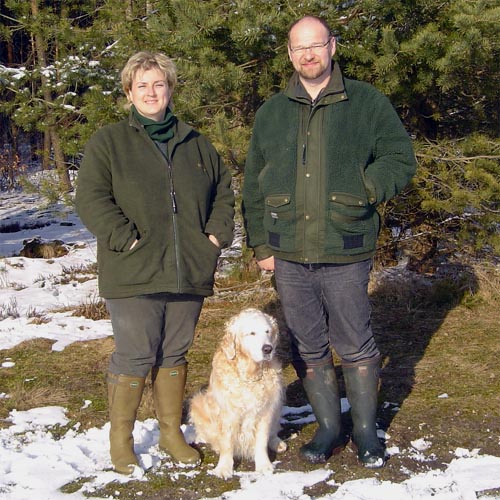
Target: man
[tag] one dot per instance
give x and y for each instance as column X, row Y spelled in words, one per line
column 323, row 154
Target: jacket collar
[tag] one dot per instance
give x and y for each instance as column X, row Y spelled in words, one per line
column 335, row 90
column 182, row 129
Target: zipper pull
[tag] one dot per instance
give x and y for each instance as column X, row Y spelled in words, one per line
column 174, row 202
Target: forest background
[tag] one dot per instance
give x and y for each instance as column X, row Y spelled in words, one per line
column 438, row 61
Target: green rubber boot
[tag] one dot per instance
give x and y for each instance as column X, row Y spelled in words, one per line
column 361, row 380
column 124, row 398
column 320, row 385
column 168, row 395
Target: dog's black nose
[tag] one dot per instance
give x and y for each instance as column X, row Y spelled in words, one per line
column 267, row 348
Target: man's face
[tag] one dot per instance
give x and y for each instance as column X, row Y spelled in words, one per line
column 311, row 49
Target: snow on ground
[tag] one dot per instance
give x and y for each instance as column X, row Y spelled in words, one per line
column 34, row 464
column 30, row 287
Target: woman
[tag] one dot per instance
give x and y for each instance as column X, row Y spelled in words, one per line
column 158, row 198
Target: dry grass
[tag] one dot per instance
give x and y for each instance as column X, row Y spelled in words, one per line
column 26, row 397
column 94, row 309
column 438, row 335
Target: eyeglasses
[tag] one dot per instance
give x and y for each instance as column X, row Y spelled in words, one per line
column 317, row 47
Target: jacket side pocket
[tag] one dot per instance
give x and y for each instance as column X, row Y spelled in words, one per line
column 353, row 224
column 279, row 222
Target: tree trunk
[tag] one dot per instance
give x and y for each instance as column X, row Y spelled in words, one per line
column 60, row 161
column 52, row 134
column 46, row 150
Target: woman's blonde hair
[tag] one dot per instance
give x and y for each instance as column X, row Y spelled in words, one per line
column 144, row 61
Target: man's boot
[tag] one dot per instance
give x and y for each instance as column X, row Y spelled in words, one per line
column 361, row 381
column 124, row 398
column 320, row 385
column 168, row 395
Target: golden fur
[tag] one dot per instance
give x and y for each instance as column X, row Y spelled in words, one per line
column 238, row 415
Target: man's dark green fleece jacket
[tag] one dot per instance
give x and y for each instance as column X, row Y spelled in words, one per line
column 128, row 190
column 316, row 171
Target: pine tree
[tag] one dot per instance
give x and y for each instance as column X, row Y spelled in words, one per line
column 437, row 61
column 41, row 93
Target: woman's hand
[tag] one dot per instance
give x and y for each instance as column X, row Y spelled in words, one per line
column 214, row 240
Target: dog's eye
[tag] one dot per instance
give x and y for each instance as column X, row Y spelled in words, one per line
column 252, row 333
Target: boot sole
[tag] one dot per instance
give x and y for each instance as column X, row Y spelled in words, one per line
column 378, row 463
column 323, row 457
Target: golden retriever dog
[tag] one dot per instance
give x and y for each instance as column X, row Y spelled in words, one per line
column 238, row 414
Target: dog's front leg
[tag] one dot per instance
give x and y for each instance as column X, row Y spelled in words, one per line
column 224, row 468
column 275, row 442
column 261, row 456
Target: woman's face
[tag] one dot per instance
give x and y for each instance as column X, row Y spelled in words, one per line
column 150, row 94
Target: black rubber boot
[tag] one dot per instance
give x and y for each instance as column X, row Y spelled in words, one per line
column 320, row 385
column 361, row 381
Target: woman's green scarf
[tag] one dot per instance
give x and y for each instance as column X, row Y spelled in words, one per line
column 160, row 131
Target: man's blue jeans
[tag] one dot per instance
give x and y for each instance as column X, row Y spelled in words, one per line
column 326, row 306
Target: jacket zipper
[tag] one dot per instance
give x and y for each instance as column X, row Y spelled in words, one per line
column 172, row 188
column 173, row 202
column 174, row 222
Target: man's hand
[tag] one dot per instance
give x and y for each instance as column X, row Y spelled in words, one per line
column 266, row 264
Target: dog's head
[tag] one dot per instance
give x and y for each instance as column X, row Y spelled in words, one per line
column 253, row 333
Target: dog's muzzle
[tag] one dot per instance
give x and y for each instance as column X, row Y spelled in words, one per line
column 267, row 349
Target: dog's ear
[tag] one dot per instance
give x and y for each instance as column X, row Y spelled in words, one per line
column 274, row 323
column 228, row 344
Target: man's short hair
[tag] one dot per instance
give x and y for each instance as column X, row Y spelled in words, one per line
column 319, row 19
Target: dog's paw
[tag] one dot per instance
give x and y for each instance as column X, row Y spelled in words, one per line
column 222, row 472
column 265, row 467
column 225, row 465
column 278, row 445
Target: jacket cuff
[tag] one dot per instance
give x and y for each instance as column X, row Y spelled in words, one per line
column 120, row 241
column 262, row 252
column 223, row 234
column 371, row 191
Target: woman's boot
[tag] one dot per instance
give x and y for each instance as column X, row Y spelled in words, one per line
column 124, row 398
column 320, row 385
column 361, row 381
column 168, row 395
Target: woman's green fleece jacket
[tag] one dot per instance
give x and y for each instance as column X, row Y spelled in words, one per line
column 128, row 190
column 317, row 170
